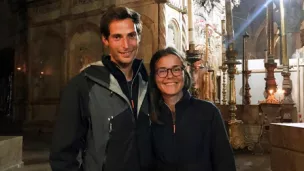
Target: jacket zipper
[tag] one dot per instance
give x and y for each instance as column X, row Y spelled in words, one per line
column 173, row 114
column 133, row 106
column 131, row 93
column 110, row 119
column 173, row 121
column 110, row 124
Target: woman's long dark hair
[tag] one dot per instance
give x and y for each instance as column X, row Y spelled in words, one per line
column 154, row 93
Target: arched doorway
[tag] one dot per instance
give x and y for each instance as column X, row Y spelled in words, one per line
column 6, row 85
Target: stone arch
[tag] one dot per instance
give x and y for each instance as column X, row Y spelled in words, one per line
column 258, row 32
column 261, row 44
column 261, row 31
column 147, row 44
column 174, row 33
column 149, row 23
column 84, row 28
column 84, row 46
column 46, row 65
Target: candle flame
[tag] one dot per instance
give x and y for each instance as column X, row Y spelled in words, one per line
column 270, row 91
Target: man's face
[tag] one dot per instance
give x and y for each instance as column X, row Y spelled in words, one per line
column 123, row 42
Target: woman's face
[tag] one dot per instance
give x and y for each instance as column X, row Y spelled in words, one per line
column 169, row 76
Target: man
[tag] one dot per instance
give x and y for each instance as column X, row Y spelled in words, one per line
column 104, row 110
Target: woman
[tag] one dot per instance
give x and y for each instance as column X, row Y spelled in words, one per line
column 188, row 133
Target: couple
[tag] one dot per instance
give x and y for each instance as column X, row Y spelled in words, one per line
column 104, row 122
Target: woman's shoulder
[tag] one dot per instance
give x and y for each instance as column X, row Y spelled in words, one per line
column 204, row 104
column 204, row 108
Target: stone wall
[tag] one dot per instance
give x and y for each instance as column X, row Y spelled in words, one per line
column 63, row 38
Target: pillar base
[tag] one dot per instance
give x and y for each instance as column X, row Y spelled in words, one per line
column 270, row 79
column 287, row 87
column 246, row 88
column 236, row 135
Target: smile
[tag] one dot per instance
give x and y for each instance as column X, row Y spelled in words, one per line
column 125, row 53
column 170, row 83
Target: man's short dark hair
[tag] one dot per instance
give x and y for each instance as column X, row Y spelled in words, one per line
column 119, row 13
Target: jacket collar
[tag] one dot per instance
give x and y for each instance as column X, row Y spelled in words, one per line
column 137, row 67
column 102, row 72
column 183, row 102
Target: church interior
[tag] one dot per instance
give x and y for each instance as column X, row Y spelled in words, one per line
column 245, row 56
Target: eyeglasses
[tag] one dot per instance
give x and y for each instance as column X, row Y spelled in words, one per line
column 176, row 71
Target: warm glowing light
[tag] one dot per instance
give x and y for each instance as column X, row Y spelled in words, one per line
column 270, row 91
column 280, row 91
column 41, row 72
column 19, row 68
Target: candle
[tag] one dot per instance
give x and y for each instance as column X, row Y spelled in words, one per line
column 190, row 22
column 266, row 56
column 246, row 64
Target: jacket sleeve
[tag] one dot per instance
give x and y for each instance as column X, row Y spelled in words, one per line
column 68, row 133
column 221, row 151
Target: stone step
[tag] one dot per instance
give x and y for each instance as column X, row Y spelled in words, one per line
column 36, row 167
column 35, row 157
column 10, row 153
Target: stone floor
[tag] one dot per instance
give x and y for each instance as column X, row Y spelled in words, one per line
column 35, row 154
column 35, row 157
column 245, row 162
column 250, row 162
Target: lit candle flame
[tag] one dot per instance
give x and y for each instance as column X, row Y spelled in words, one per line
column 270, row 91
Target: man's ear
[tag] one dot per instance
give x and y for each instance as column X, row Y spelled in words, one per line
column 105, row 41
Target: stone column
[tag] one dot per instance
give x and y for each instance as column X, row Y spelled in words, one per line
column 66, row 7
column 162, row 27
column 29, row 75
column 20, row 69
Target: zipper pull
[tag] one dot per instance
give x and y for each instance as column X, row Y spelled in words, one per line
column 132, row 102
column 174, row 128
column 110, row 123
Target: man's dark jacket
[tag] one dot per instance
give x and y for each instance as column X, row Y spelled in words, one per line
column 103, row 121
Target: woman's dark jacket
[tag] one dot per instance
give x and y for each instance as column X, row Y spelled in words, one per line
column 200, row 141
column 105, row 120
